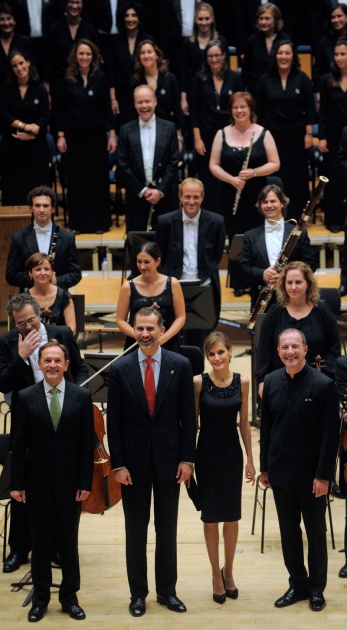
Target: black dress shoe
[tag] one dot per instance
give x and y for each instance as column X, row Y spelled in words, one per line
column 172, row 603
column 292, row 596
column 36, row 613
column 343, row 571
column 231, row 593
column 239, row 292
column 317, row 601
column 13, row 562
column 343, row 290
column 337, row 492
column 75, row 611
column 100, row 232
column 137, row 606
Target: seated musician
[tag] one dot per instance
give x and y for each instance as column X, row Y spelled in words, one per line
column 262, row 245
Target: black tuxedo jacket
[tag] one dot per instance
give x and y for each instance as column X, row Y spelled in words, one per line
column 211, row 240
column 16, row 374
column 48, row 463
column 24, row 244
column 51, row 12
column 131, row 169
column 133, row 436
column 254, row 257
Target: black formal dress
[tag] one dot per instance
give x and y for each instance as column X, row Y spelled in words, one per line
column 323, row 58
column 85, row 116
column 231, row 160
column 164, row 301
column 286, row 112
column 210, row 113
column 319, row 328
column 332, row 119
column 24, row 244
column 24, row 164
column 51, row 466
column 219, row 460
column 61, row 301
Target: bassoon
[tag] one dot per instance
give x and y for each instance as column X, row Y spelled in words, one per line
column 267, row 290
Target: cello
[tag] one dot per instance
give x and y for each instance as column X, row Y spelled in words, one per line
column 106, row 491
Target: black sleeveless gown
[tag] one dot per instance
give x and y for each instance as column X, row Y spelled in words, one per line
column 219, row 458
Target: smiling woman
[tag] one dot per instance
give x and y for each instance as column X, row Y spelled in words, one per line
column 56, row 305
column 298, row 307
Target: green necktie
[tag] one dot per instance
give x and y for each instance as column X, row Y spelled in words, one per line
column 55, row 408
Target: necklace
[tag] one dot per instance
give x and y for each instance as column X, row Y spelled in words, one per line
column 242, row 131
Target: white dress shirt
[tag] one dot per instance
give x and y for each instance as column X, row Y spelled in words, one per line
column 190, row 246
column 35, row 17
column 43, row 236
column 148, row 133
column 155, row 365
column 34, row 357
column 187, row 13
column 61, row 392
column 274, row 239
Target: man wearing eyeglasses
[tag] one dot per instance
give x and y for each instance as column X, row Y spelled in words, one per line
column 19, row 369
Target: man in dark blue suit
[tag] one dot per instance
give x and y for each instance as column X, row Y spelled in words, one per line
column 18, row 369
column 52, row 470
column 152, row 445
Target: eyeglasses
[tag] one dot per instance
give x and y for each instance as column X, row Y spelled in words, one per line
column 215, row 56
column 28, row 322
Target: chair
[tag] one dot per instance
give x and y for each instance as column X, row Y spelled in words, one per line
column 5, row 477
column 333, row 298
column 262, row 505
column 196, row 358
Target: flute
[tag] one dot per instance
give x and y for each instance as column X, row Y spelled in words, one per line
column 150, row 214
column 244, row 166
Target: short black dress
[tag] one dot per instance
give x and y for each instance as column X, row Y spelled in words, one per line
column 219, row 458
column 164, row 303
column 60, row 303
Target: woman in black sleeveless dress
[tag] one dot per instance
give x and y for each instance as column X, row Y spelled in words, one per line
column 152, row 288
column 220, row 396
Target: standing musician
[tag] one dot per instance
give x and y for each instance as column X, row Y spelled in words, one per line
column 55, row 425
column 18, row 369
column 262, row 245
column 43, row 235
column 147, row 156
column 299, row 435
column 340, row 491
column 151, row 436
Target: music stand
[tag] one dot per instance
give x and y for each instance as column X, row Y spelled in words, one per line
column 99, row 385
column 200, row 309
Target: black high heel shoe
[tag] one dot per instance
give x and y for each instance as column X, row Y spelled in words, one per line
column 219, row 599
column 234, row 593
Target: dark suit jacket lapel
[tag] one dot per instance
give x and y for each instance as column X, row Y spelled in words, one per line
column 135, row 379
column 202, row 230
column 135, row 144
column 261, row 245
column 159, row 142
column 31, row 240
column 167, row 374
column 178, row 236
column 42, row 404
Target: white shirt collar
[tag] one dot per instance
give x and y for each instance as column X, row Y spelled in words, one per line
column 60, row 386
column 147, row 123
column 193, row 220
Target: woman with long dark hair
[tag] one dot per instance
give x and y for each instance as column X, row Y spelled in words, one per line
column 23, row 117
column 285, row 106
column 324, row 54
column 84, row 118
